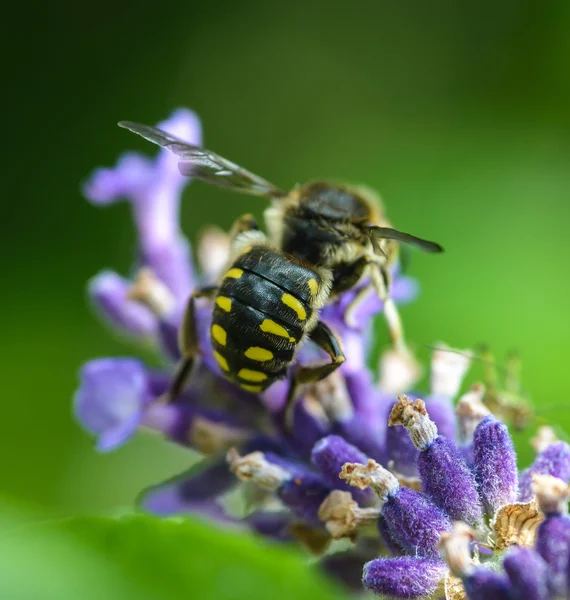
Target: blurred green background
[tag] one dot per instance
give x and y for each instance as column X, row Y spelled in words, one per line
column 457, row 113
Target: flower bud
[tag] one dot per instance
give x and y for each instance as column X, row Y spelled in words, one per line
column 495, row 464
column 403, row 577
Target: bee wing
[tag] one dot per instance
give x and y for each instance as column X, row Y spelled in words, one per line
column 205, row 165
column 387, row 233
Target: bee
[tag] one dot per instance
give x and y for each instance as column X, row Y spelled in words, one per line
column 323, row 239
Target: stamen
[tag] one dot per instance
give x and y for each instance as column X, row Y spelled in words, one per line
column 552, row 494
column 255, row 468
column 414, row 417
column 342, row 515
column 372, row 475
column 470, row 411
column 454, row 546
column 152, row 292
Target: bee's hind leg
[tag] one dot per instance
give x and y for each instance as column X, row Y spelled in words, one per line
column 188, row 343
column 327, row 341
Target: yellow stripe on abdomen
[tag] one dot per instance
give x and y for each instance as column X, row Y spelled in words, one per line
column 294, row 304
column 224, row 303
column 219, row 334
column 250, row 375
column 259, row 354
column 221, row 361
column 234, row 273
column 269, row 326
column 251, row 388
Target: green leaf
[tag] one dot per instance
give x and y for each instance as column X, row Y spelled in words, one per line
column 143, row 557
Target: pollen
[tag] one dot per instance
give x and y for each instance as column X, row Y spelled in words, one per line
column 269, row 326
column 250, row 375
column 259, row 354
column 224, row 303
column 221, row 361
column 234, row 274
column 219, row 334
column 294, row 304
column 313, row 286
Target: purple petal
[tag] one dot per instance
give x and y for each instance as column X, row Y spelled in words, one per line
column 553, row 545
column 192, row 492
column 132, row 174
column 108, row 293
column 442, row 413
column 484, row 584
column 553, row 460
column 303, row 495
column 528, row 574
column 401, row 452
column 111, row 397
column 329, row 455
column 403, row 577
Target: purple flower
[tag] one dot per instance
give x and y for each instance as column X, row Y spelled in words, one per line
column 111, row 399
column 153, row 188
column 553, row 460
column 329, row 467
column 444, row 475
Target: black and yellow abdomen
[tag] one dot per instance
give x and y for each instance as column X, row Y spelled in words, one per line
column 265, row 304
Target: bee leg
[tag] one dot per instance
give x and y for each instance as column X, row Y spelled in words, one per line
column 381, row 282
column 327, row 341
column 246, row 222
column 188, row 343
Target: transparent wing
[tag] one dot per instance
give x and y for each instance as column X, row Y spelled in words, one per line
column 205, row 165
column 387, row 233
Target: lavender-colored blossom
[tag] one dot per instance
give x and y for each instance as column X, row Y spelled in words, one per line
column 553, row 460
column 153, row 188
column 109, row 294
column 403, row 577
column 528, row 574
column 110, row 401
column 191, row 491
column 288, row 460
column 495, row 464
column 444, row 475
column 484, row 584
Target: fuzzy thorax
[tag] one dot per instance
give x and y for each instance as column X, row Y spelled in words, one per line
column 372, row 475
column 414, row 417
column 552, row 494
column 454, row 546
column 256, row 468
